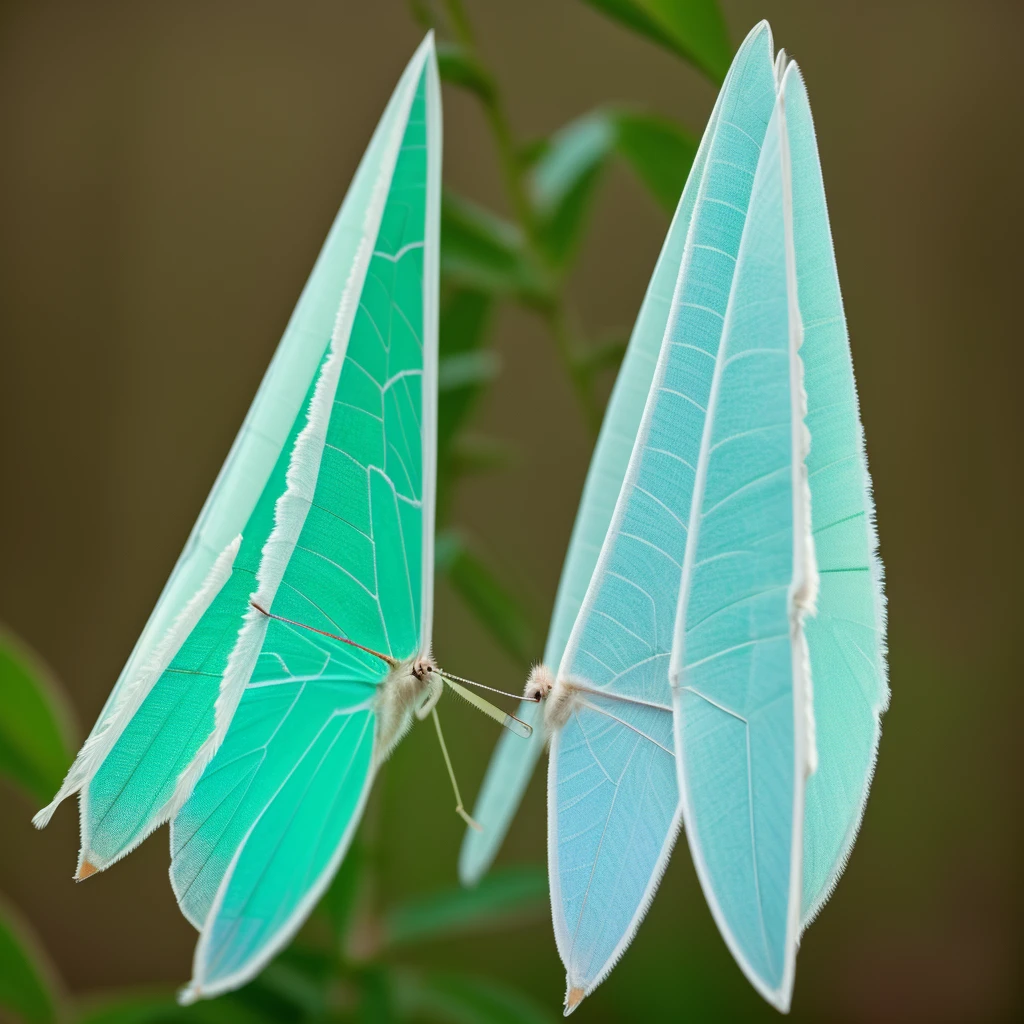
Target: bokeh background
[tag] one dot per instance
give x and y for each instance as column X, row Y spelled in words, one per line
column 168, row 173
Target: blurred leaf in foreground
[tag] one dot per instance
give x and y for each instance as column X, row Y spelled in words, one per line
column 694, row 29
column 463, row 999
column 35, row 732
column 501, row 898
column 563, row 180
column 481, row 250
column 26, row 986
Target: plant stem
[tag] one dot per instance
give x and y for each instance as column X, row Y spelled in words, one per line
column 555, row 311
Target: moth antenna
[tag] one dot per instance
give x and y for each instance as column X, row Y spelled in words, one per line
column 386, row 658
column 459, row 809
column 484, row 686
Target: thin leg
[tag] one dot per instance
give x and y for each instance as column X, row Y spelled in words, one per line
column 459, row 809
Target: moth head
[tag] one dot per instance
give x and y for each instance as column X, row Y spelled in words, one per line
column 540, row 683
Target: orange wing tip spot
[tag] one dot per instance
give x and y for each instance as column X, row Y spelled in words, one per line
column 85, row 869
column 573, row 999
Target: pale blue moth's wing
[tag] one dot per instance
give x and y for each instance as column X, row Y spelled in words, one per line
column 351, row 552
column 613, row 806
column 513, row 760
column 161, row 711
column 847, row 636
column 740, row 670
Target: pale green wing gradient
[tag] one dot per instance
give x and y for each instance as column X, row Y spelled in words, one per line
column 847, row 636
column 513, row 760
column 162, row 709
column 741, row 692
column 351, row 552
column 613, row 806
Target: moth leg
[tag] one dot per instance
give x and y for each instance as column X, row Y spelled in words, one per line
column 459, row 809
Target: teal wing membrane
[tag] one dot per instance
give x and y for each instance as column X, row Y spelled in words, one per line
column 161, row 711
column 513, row 761
column 255, row 737
column 613, row 805
column 742, row 693
column 847, row 635
column 774, row 771
column 351, row 553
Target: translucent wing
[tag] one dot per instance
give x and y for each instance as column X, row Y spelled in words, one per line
column 744, row 724
column 847, row 636
column 612, row 791
column 513, row 761
column 161, row 711
column 270, row 818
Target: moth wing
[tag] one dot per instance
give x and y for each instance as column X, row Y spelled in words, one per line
column 846, row 637
column 161, row 712
column 272, row 815
column 740, row 669
column 623, row 637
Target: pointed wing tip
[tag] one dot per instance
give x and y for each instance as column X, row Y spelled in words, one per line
column 86, row 870
column 573, row 998
column 189, row 994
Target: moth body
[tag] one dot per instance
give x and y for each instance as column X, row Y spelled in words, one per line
column 410, row 685
column 559, row 696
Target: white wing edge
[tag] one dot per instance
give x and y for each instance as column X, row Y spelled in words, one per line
column 563, row 941
column 801, row 596
column 131, row 696
column 793, row 73
column 293, row 505
column 196, row 989
column 431, row 284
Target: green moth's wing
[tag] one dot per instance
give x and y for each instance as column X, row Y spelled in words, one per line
column 847, row 636
column 162, row 709
column 513, row 760
column 296, row 741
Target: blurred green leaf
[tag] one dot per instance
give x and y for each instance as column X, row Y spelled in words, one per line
column 481, row 250
column 160, row 1007
column 457, row 67
column 26, row 978
column 501, row 897
column 563, row 181
column 496, row 608
column 694, row 29
column 376, row 996
column 467, row 369
column 35, row 748
column 473, row 453
column 464, row 317
column 659, row 151
column 462, row 999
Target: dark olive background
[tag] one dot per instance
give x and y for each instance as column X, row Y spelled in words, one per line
column 168, row 172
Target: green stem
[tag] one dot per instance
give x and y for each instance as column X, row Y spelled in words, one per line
column 554, row 312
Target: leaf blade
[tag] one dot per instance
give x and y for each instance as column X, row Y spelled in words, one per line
column 694, row 30
column 35, row 732
column 26, row 987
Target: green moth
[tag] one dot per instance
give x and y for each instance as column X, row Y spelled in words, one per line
column 290, row 649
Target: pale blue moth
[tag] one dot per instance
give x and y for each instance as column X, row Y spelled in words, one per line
column 743, row 504
column 291, row 646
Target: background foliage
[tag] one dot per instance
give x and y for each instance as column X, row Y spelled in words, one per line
column 551, row 223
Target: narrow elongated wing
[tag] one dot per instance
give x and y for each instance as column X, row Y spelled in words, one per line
column 847, row 636
column 161, row 711
column 351, row 552
column 513, row 762
column 612, row 792
column 740, row 669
